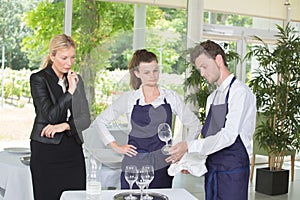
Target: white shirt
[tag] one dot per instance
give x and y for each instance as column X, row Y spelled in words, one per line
column 241, row 118
column 125, row 103
column 62, row 84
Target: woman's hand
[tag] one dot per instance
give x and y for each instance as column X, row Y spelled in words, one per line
column 126, row 149
column 50, row 130
column 72, row 80
column 176, row 152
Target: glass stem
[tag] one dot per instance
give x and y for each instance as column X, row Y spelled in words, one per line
column 146, row 191
column 141, row 192
column 131, row 184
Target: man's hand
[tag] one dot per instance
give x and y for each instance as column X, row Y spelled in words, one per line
column 176, row 152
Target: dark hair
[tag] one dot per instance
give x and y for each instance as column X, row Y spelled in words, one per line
column 210, row 49
column 141, row 55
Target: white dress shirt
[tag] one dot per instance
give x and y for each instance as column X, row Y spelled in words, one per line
column 125, row 103
column 62, row 84
column 241, row 118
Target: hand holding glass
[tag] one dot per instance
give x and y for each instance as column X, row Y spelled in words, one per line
column 165, row 134
column 148, row 176
column 131, row 175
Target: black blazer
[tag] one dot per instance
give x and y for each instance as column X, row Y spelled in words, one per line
column 51, row 106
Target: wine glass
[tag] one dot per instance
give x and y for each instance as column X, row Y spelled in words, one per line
column 164, row 134
column 141, row 183
column 131, row 175
column 148, row 176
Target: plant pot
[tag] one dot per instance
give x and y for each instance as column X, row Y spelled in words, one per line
column 272, row 182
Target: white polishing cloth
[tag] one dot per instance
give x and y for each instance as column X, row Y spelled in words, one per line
column 194, row 163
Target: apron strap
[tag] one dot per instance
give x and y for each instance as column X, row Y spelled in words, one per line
column 165, row 100
column 227, row 95
column 212, row 179
column 137, row 102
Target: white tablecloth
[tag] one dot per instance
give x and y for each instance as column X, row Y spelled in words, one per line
column 15, row 177
column 173, row 194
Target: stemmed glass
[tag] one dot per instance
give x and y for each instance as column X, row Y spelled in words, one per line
column 131, row 175
column 141, row 183
column 164, row 134
column 148, row 176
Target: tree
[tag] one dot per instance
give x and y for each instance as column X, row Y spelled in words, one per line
column 93, row 23
column 103, row 32
column 175, row 20
column 12, row 32
column 44, row 21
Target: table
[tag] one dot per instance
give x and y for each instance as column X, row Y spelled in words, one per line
column 173, row 194
column 16, row 182
column 15, row 177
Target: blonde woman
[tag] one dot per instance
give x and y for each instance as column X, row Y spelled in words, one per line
column 57, row 161
column 146, row 106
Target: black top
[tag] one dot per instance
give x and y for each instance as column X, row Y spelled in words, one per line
column 51, row 106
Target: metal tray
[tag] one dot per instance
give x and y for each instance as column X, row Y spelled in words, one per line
column 156, row 196
column 25, row 160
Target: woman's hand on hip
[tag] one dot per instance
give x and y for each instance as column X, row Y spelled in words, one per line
column 126, row 149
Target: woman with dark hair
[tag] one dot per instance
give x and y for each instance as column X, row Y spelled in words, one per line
column 146, row 106
column 57, row 162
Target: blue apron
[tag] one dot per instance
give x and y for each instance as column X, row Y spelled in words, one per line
column 228, row 169
column 144, row 122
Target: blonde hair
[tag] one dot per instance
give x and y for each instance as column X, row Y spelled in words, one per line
column 139, row 56
column 58, row 42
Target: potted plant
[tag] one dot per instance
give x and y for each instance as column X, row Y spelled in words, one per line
column 276, row 83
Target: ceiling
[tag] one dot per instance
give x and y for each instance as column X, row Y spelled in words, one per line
column 274, row 9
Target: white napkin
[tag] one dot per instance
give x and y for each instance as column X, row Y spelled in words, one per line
column 194, row 163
